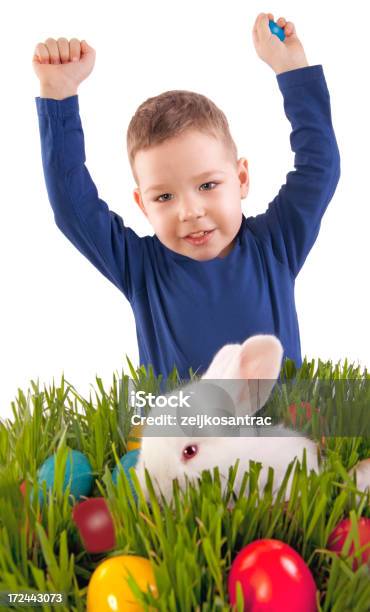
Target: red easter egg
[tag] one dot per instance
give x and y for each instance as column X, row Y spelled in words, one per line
column 26, row 526
column 22, row 488
column 293, row 411
column 95, row 524
column 339, row 534
column 273, row 577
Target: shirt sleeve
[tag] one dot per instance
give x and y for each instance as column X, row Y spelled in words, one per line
column 292, row 221
column 84, row 218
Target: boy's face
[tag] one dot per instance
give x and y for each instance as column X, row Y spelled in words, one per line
column 190, row 183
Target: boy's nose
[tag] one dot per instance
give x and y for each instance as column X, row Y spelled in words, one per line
column 191, row 209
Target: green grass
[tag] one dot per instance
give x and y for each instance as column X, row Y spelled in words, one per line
column 193, row 541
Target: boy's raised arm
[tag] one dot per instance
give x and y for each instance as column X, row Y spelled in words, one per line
column 292, row 221
column 85, row 219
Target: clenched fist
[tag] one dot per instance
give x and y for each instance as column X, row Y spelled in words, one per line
column 61, row 66
column 281, row 56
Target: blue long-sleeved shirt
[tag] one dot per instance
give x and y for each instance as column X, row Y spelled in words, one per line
column 185, row 310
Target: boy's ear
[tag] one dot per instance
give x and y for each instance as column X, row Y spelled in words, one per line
column 243, row 177
column 139, row 201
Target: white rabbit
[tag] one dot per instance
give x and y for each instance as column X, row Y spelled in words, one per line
column 362, row 470
column 257, row 360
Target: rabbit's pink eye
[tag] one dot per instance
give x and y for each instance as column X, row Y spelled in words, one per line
column 190, row 451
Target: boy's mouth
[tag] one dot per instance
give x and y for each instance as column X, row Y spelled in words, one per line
column 198, row 238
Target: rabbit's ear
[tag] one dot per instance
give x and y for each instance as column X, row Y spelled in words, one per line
column 259, row 363
column 260, row 357
column 255, row 365
column 221, row 362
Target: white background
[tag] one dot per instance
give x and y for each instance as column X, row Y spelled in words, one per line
column 58, row 313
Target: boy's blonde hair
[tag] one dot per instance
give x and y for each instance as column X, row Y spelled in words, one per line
column 172, row 113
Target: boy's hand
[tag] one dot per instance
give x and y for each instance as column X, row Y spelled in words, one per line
column 61, row 66
column 281, row 56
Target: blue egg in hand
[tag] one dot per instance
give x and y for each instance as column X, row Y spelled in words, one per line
column 277, row 30
column 77, row 466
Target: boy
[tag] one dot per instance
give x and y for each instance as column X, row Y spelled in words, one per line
column 193, row 293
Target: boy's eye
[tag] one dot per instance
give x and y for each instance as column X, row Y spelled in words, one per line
column 162, row 196
column 209, row 184
column 159, row 199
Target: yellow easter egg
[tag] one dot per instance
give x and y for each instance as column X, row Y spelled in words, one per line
column 108, row 589
column 136, row 432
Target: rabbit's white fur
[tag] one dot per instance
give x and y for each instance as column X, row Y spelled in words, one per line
column 362, row 470
column 257, row 360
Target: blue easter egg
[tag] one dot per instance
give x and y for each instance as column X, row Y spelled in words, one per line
column 128, row 460
column 77, row 465
column 277, row 30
